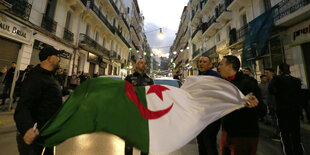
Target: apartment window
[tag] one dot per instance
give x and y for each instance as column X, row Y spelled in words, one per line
column 87, row 29
column 114, row 22
column 267, row 4
column 128, row 10
column 243, row 19
column 68, row 20
column 218, row 37
column 50, row 8
column 96, row 36
column 103, row 42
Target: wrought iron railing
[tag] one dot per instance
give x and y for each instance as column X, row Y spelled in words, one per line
column 195, row 53
column 20, row 8
column 122, row 38
column 206, row 25
column 210, row 51
column 49, row 24
column 68, row 35
column 90, row 4
column 125, row 21
column 286, row 7
column 113, row 55
column 241, row 33
column 114, row 6
column 195, row 32
column 135, row 32
column 84, row 39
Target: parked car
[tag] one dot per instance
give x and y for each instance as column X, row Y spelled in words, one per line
column 168, row 81
column 112, row 77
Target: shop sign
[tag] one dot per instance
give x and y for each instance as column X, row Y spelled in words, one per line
column 40, row 45
column 13, row 29
column 302, row 31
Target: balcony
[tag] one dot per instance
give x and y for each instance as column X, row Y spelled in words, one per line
column 20, row 8
column 288, row 13
column 84, row 39
column 125, row 21
column 210, row 51
column 49, row 24
column 237, row 4
column 196, row 53
column 223, row 15
column 241, row 33
column 113, row 55
column 135, row 32
column 68, row 35
column 209, row 5
column 114, row 6
column 90, row 4
column 209, row 29
column 122, row 38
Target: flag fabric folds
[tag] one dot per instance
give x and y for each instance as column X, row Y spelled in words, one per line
column 155, row 119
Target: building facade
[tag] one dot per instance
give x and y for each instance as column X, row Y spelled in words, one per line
column 102, row 37
column 219, row 27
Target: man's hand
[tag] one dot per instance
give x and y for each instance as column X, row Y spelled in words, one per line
column 31, row 135
column 252, row 102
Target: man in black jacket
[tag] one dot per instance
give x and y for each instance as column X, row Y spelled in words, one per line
column 138, row 78
column 287, row 91
column 240, row 128
column 3, row 71
column 40, row 99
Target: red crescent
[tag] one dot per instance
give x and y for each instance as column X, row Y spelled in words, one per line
column 145, row 112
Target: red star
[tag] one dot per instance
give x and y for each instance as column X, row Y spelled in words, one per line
column 157, row 89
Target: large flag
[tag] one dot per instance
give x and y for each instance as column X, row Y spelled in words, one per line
column 155, row 119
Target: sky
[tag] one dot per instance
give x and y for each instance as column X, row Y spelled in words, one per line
column 165, row 14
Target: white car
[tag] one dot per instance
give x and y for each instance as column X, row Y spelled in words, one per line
column 112, row 77
column 168, row 81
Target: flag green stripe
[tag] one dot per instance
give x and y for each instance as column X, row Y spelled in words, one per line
column 99, row 104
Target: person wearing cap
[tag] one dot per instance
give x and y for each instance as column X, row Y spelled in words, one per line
column 40, row 99
column 287, row 92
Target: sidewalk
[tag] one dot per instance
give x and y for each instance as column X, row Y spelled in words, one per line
column 6, row 118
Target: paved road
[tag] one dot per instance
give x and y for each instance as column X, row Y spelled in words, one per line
column 8, row 144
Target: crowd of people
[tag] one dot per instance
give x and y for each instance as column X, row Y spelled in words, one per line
column 277, row 100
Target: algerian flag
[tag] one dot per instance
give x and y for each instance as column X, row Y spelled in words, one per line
column 155, row 119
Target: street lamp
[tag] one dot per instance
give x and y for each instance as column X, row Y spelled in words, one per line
column 174, row 52
column 161, row 34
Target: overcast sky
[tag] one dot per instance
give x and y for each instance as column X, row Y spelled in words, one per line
column 164, row 14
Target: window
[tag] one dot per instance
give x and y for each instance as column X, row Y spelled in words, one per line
column 243, row 20
column 87, row 29
column 218, row 37
column 103, row 42
column 128, row 10
column 68, row 20
column 267, row 4
column 96, row 36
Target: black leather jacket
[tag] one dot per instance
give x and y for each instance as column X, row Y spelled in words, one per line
column 139, row 80
column 40, row 99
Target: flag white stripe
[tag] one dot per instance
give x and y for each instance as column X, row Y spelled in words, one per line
column 201, row 101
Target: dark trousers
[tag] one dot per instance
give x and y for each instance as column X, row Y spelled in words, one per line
column 289, row 124
column 6, row 92
column 32, row 149
column 207, row 139
column 129, row 149
column 238, row 145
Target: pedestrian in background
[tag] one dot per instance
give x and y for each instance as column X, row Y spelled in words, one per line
column 240, row 128
column 138, row 78
column 40, row 99
column 7, row 82
column 207, row 138
column 3, row 71
column 287, row 91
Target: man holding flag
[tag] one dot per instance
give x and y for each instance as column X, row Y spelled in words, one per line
column 40, row 99
column 240, row 128
column 138, row 78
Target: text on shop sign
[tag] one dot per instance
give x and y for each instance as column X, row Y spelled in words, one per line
column 13, row 30
column 302, row 31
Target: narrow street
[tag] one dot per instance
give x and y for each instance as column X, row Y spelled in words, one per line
column 8, row 144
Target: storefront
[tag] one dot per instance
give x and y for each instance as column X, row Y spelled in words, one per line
column 297, row 51
column 14, row 40
column 93, row 64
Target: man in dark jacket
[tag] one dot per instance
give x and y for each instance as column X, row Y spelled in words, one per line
column 207, row 138
column 287, row 91
column 240, row 128
column 40, row 99
column 138, row 78
column 7, row 81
